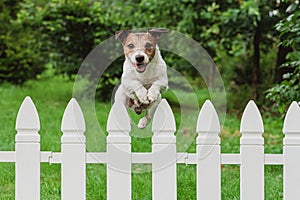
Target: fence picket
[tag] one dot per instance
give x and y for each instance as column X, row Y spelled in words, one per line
column 252, row 154
column 118, row 157
column 27, row 152
column 118, row 154
column 208, row 153
column 73, row 164
column 164, row 179
column 291, row 152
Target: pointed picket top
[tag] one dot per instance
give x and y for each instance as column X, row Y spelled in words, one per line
column 251, row 120
column 118, row 118
column 292, row 119
column 208, row 120
column 73, row 119
column 163, row 119
column 27, row 118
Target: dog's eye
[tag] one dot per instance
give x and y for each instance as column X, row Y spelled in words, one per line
column 130, row 46
column 148, row 46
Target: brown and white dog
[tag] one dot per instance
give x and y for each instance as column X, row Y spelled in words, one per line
column 144, row 75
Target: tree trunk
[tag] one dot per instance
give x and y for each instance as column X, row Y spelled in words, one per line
column 256, row 63
column 281, row 58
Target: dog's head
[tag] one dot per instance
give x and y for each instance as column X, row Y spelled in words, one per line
column 140, row 47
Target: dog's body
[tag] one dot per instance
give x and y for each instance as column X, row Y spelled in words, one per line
column 144, row 73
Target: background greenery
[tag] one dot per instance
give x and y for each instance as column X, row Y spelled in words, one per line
column 255, row 45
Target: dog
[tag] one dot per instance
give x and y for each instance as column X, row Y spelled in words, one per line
column 144, row 76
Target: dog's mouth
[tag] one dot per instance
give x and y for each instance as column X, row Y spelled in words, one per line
column 140, row 67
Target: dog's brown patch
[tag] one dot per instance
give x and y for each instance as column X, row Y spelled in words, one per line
column 140, row 41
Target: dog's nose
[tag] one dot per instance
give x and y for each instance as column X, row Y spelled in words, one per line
column 139, row 58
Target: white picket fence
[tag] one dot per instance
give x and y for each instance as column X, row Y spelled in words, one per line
column 164, row 158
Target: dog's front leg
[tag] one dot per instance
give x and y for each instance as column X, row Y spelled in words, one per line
column 141, row 94
column 153, row 93
column 149, row 113
column 156, row 89
column 135, row 90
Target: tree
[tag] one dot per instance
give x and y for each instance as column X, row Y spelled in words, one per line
column 235, row 33
column 250, row 28
column 288, row 90
column 20, row 58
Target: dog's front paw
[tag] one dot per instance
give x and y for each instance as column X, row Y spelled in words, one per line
column 142, row 95
column 152, row 95
column 143, row 123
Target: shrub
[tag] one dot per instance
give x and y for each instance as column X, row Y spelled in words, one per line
column 20, row 58
column 282, row 94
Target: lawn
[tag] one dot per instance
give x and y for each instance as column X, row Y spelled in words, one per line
column 51, row 96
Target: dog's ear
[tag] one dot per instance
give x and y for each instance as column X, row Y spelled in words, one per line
column 122, row 35
column 156, row 32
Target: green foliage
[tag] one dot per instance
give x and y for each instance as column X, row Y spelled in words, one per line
column 61, row 33
column 72, row 30
column 20, row 58
column 282, row 94
column 69, row 31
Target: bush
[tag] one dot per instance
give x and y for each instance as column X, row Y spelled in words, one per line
column 282, row 94
column 20, row 58
column 72, row 30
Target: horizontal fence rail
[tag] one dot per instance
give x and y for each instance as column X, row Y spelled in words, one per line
column 163, row 158
column 142, row 158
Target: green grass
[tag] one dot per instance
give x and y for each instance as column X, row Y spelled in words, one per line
column 51, row 96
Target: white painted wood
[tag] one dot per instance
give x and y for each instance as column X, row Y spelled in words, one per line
column 164, row 178
column 231, row 159
column 27, row 152
column 46, row 156
column 118, row 154
column 99, row 157
column 139, row 158
column 291, row 152
column 73, row 153
column 163, row 157
column 182, row 158
column 55, row 158
column 142, row 158
column 252, row 154
column 235, row 159
column 274, row 159
column 7, row 156
column 208, row 154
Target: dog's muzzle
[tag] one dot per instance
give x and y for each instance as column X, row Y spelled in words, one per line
column 140, row 67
